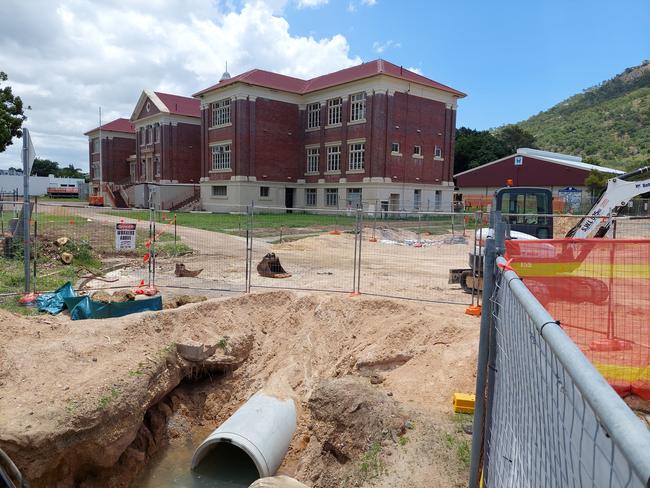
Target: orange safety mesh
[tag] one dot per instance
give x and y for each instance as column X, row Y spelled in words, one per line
column 599, row 290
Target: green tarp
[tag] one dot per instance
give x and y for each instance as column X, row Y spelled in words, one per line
column 84, row 308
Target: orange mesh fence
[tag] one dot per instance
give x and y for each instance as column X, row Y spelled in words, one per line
column 599, row 290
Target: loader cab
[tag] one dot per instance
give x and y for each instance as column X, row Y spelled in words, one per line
column 524, row 209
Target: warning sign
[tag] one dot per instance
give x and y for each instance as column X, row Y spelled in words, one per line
column 124, row 236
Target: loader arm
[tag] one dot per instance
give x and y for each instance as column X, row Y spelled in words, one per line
column 619, row 192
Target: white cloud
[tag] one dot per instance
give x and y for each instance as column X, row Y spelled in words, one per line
column 68, row 57
column 380, row 47
column 369, row 3
column 415, row 70
column 352, row 7
column 311, row 3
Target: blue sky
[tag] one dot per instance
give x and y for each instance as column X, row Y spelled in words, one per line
column 513, row 58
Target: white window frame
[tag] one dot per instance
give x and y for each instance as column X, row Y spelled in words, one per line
column 157, row 167
column 143, row 140
column 311, row 197
column 268, row 192
column 313, row 115
column 358, row 107
column 149, row 134
column 156, row 133
column 313, row 159
column 356, row 156
column 334, row 158
column 95, row 145
column 437, row 152
column 221, row 156
column 214, row 194
column 417, row 199
column 392, row 149
column 334, row 108
column 331, row 192
column 417, row 151
column 221, row 114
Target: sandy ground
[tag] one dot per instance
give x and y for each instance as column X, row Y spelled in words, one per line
column 73, row 395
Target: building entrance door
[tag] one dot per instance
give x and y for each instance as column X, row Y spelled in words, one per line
column 394, row 202
column 288, row 198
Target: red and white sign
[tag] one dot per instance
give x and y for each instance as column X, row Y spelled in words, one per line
column 124, row 236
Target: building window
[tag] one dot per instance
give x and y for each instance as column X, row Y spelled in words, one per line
column 265, row 192
column 220, row 191
column 142, row 140
column 143, row 169
column 417, row 199
column 354, row 197
column 394, row 148
column 221, row 112
column 313, row 154
column 334, row 111
column 333, row 158
column 221, row 157
column 157, row 133
column 313, row 115
column 437, row 152
column 95, row 171
column 356, row 155
column 417, row 150
column 310, row 197
column 332, row 197
column 149, row 134
column 157, row 164
column 358, row 107
column 95, row 145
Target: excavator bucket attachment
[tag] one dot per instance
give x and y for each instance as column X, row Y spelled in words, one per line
column 182, row 272
column 270, row 267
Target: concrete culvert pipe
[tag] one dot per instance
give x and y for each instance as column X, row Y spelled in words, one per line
column 261, row 429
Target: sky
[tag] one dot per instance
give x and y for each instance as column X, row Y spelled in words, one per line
column 513, row 58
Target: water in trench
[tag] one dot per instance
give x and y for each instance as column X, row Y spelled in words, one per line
column 226, row 466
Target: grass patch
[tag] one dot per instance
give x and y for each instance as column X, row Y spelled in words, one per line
column 403, row 440
column 371, row 465
column 458, row 441
column 105, row 400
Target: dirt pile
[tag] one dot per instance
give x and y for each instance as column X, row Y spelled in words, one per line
column 77, row 398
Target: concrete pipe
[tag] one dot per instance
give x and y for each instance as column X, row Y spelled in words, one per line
column 261, row 428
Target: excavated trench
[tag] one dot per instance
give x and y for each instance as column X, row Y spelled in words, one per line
column 126, row 402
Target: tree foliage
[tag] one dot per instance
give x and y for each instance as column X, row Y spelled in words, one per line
column 477, row 147
column 597, row 181
column 46, row 167
column 11, row 114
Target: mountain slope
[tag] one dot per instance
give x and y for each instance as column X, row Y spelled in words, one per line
column 608, row 123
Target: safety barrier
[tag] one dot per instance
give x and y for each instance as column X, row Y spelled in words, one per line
column 544, row 414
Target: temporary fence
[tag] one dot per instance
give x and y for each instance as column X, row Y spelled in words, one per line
column 544, row 414
column 394, row 254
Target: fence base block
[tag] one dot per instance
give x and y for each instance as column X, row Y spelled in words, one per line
column 464, row 402
column 473, row 310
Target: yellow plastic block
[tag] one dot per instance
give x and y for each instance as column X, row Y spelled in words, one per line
column 464, row 402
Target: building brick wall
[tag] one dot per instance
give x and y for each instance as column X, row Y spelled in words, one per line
column 115, row 153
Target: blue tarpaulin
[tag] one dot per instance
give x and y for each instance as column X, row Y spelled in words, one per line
column 84, row 308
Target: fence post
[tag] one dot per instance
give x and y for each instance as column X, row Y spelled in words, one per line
column 249, row 257
column 360, row 221
column 356, row 245
column 478, row 429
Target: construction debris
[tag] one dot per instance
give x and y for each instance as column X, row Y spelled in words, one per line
column 182, row 272
column 270, row 267
column 66, row 257
column 61, row 241
column 118, row 296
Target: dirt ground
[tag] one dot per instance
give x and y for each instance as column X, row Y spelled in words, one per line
column 89, row 403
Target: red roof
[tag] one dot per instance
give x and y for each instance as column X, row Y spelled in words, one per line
column 180, row 105
column 117, row 125
column 276, row 81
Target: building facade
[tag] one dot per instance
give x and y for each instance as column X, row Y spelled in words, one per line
column 374, row 135
column 168, row 139
column 563, row 174
column 116, row 146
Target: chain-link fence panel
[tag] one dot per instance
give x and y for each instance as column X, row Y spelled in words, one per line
column 411, row 254
column 303, row 249
column 552, row 419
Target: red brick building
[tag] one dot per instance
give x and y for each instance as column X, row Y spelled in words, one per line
column 168, row 139
column 117, row 145
column 374, row 134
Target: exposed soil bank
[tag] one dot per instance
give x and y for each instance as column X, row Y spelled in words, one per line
column 76, row 397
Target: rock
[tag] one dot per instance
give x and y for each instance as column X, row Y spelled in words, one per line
column 61, row 241
column 277, row 482
column 376, row 379
column 195, row 351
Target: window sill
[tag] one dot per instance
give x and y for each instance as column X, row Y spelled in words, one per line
column 438, row 158
column 220, row 126
column 332, row 173
column 355, row 171
column 312, row 173
column 393, row 153
column 418, row 156
column 229, row 170
column 355, row 122
column 312, row 129
column 215, row 197
column 266, row 198
column 334, row 126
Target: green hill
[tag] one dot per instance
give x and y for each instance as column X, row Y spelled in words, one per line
column 608, row 123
